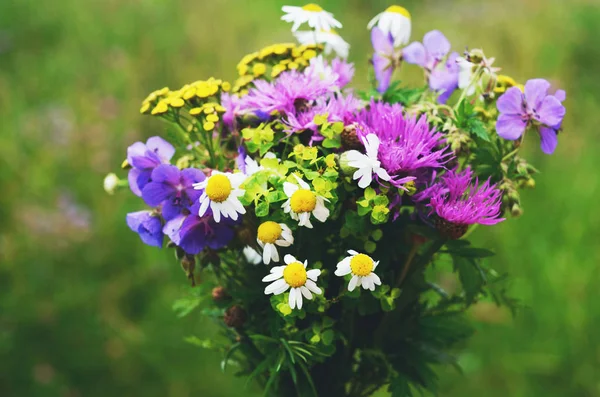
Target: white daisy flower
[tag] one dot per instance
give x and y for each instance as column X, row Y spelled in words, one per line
column 362, row 268
column 252, row 256
column 294, row 276
column 367, row 164
column 222, row 192
column 302, row 202
column 331, row 41
column 317, row 18
column 271, row 234
column 395, row 20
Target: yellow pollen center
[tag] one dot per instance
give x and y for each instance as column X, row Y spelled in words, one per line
column 295, row 274
column 269, row 232
column 361, row 265
column 218, row 188
column 303, row 200
column 399, row 10
column 312, row 7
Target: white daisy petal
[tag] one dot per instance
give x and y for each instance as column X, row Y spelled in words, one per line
column 289, row 188
column 313, row 287
column 274, row 286
column 306, row 292
column 298, row 298
column 267, row 254
column 292, row 298
column 313, row 274
column 289, row 259
column 271, row 277
column 364, row 282
column 352, row 284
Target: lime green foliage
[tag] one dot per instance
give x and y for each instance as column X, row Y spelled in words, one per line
column 88, row 310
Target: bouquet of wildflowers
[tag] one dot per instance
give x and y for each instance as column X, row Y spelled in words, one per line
column 313, row 221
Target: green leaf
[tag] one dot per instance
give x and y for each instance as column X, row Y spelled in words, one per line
column 370, row 247
column 472, row 252
column 262, row 209
column 327, row 337
column 330, row 143
column 231, row 350
column 477, row 128
column 470, row 277
column 370, row 193
column 400, row 386
column 377, row 234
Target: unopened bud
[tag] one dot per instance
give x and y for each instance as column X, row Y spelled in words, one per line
column 344, row 163
column 350, row 139
column 219, row 294
column 516, row 210
column 111, row 182
column 235, row 317
column 530, row 183
column 125, row 165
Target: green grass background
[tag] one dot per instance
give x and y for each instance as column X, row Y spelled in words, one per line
column 85, row 307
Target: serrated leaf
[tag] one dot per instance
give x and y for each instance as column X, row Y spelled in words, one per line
column 469, row 275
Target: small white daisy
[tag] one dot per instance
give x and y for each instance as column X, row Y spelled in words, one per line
column 271, row 234
column 331, row 41
column 222, row 192
column 294, row 276
column 395, row 20
column 317, row 18
column 252, row 256
column 302, row 202
column 367, row 164
column 362, row 268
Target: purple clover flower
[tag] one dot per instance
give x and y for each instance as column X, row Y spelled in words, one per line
column 173, row 189
column 459, row 202
column 291, row 90
column 194, row 233
column 144, row 158
column 409, row 147
column 442, row 76
column 519, row 110
column 148, row 226
column 385, row 58
column 338, row 73
column 337, row 107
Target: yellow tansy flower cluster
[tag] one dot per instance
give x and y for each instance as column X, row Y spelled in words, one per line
column 270, row 61
column 190, row 95
column 208, row 114
column 504, row 82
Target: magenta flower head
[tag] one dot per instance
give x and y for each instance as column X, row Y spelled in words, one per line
column 385, row 58
column 409, row 147
column 173, row 189
column 337, row 107
column 458, row 203
column 337, row 73
column 144, row 158
column 290, row 91
column 430, row 55
column 148, row 226
column 519, row 110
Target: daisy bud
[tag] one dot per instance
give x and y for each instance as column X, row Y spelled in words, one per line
column 111, row 182
column 219, row 294
column 344, row 164
column 235, row 317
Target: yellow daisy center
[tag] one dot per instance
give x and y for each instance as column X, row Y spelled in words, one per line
column 218, row 188
column 312, row 7
column 269, row 232
column 303, row 200
column 361, row 265
column 295, row 274
column 399, row 10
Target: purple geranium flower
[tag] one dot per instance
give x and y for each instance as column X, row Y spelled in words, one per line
column 173, row 189
column 535, row 106
column 147, row 225
column 194, row 233
column 458, row 203
column 385, row 58
column 409, row 147
column 144, row 158
column 290, row 91
column 442, row 76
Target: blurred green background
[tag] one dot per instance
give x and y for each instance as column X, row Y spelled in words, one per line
column 86, row 308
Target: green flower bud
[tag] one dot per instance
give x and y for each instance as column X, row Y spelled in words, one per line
column 344, row 167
